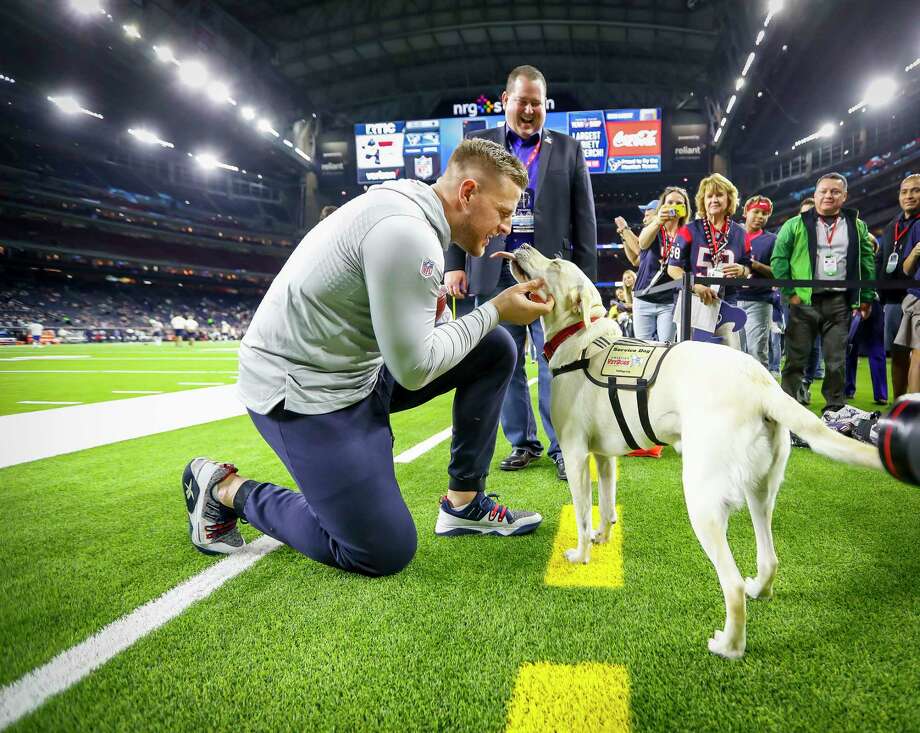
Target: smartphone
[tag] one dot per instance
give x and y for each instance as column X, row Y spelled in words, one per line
column 680, row 211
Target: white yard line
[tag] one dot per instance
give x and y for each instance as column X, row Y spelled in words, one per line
column 137, row 391
column 30, row 436
column 415, row 451
column 112, row 371
column 426, row 445
column 46, row 402
column 183, row 357
column 31, row 691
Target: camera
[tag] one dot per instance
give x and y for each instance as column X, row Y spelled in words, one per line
column 679, row 211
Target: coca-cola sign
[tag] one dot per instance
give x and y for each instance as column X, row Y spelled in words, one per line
column 640, row 139
column 635, row 137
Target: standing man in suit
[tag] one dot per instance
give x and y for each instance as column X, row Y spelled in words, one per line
column 555, row 215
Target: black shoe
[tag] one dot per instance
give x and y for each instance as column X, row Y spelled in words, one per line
column 519, row 458
column 560, row 469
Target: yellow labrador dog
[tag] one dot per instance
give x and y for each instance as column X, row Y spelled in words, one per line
column 722, row 411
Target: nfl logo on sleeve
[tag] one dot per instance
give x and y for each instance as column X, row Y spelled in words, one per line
column 427, row 268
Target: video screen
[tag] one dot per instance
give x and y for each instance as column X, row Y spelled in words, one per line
column 613, row 140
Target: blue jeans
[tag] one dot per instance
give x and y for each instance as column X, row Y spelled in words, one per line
column 757, row 328
column 776, row 351
column 653, row 321
column 894, row 312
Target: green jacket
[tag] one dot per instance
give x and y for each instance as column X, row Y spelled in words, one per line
column 796, row 250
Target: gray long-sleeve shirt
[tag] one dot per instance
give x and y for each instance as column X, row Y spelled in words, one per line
column 359, row 291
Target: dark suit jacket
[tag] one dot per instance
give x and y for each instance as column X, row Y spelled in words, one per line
column 564, row 220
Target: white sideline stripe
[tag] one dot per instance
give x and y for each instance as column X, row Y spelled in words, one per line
column 43, row 358
column 46, row 402
column 110, row 371
column 30, row 436
column 31, row 691
column 137, row 391
column 426, row 445
column 199, row 384
column 22, row 697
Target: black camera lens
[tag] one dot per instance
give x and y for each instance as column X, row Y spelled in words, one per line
column 899, row 440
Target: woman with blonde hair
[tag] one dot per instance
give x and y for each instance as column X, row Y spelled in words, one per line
column 653, row 314
column 715, row 246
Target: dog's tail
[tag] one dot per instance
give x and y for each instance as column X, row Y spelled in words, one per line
column 786, row 411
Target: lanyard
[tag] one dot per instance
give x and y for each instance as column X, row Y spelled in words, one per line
column 721, row 237
column 667, row 242
column 533, row 154
column 829, row 231
column 898, row 235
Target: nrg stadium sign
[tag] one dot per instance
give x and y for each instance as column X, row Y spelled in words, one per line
column 485, row 106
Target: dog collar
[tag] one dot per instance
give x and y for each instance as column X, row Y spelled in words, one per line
column 549, row 348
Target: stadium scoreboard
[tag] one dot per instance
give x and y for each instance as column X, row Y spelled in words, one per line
column 613, row 141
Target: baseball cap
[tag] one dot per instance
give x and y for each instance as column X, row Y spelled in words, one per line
column 653, row 204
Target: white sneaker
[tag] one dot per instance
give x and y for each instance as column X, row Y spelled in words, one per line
column 484, row 515
column 211, row 525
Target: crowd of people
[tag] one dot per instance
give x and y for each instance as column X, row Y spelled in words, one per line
column 790, row 330
column 122, row 312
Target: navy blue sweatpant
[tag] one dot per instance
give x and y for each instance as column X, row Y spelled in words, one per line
column 349, row 513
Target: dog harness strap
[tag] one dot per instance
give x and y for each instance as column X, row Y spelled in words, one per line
column 573, row 367
column 642, row 404
column 613, row 393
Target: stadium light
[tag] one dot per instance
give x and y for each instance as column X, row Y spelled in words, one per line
column 248, row 113
column 826, row 130
column 718, row 135
column 775, row 6
column 87, row 7
column 70, row 106
column 265, row 125
column 739, row 82
column 193, row 74
column 747, row 64
column 7, row 79
column 208, row 161
column 722, row 123
column 165, row 54
column 131, row 31
column 731, row 104
column 759, row 39
column 912, row 65
column 880, row 92
column 218, row 92
column 149, row 138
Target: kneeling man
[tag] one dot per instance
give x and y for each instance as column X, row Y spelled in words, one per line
column 346, row 335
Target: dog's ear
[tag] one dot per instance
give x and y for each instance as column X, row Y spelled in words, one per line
column 581, row 301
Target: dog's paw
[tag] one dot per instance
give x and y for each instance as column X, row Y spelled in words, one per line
column 575, row 556
column 600, row 536
column 755, row 589
column 719, row 645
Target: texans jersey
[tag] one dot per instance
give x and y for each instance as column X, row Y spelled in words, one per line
column 692, row 253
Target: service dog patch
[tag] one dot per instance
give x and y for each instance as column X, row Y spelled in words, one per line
column 627, row 360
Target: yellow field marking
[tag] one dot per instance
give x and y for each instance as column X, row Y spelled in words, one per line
column 606, row 567
column 570, row 697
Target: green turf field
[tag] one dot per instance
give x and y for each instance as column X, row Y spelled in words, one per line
column 292, row 645
column 100, row 372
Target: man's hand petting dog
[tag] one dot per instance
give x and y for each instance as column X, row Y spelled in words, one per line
column 515, row 306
